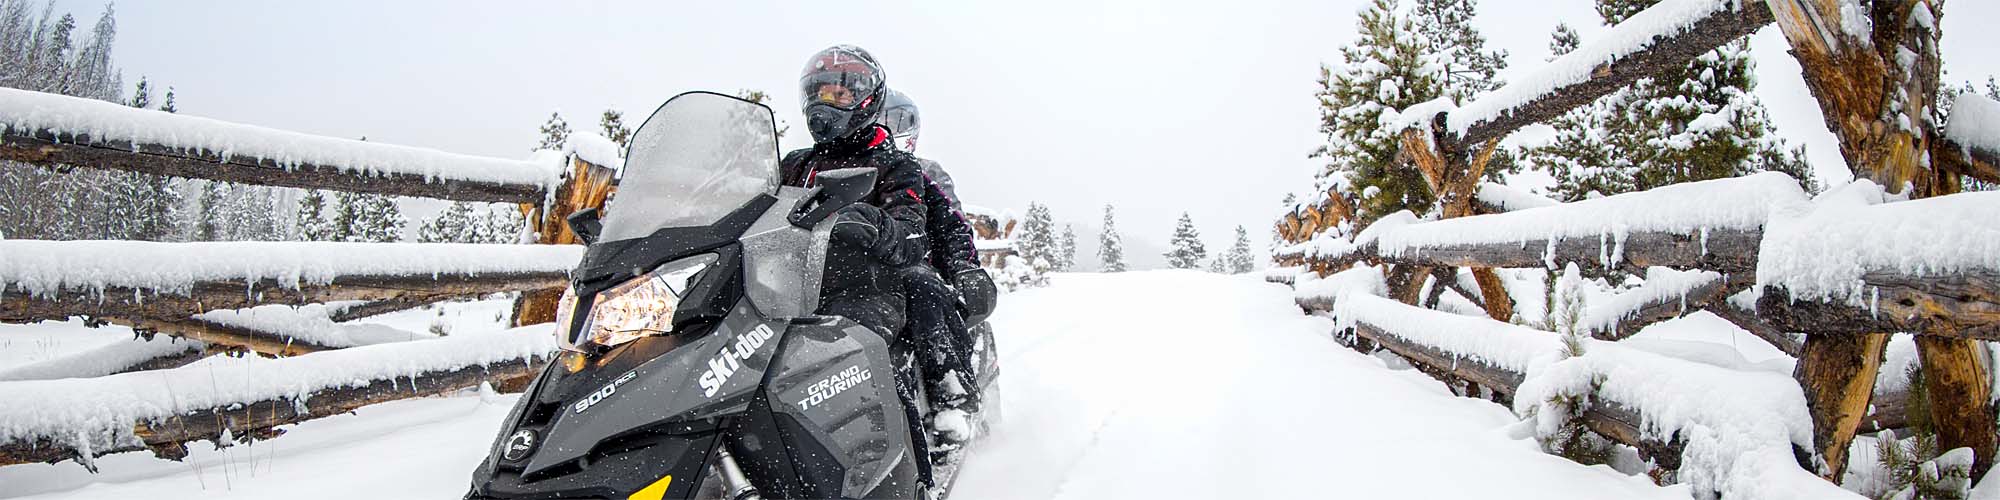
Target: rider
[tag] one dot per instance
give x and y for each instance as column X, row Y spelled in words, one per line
column 842, row 91
column 933, row 304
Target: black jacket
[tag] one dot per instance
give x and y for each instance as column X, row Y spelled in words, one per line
column 905, row 192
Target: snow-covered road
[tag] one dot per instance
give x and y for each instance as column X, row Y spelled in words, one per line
column 1165, row 384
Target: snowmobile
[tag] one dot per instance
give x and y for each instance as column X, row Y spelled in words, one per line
column 692, row 363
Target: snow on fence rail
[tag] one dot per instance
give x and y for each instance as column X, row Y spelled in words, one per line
column 1719, row 429
column 48, row 130
column 1860, row 261
column 224, row 397
column 1663, row 36
column 164, row 286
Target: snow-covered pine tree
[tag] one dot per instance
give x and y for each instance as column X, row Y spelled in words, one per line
column 1697, row 122
column 501, row 224
column 555, row 133
column 1110, row 246
column 1216, row 265
column 1386, row 69
column 1238, row 257
column 210, row 212
column 251, row 214
column 376, row 218
column 167, row 103
column 1184, row 250
column 1578, row 156
column 612, row 125
column 454, row 225
column 1036, row 241
column 311, row 217
column 142, row 97
column 1468, row 69
column 1066, row 249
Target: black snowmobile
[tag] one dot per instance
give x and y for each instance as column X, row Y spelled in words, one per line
column 694, row 366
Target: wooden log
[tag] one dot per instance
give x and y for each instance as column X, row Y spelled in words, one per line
column 168, row 436
column 380, row 307
column 1837, row 371
column 20, row 307
column 1728, row 251
column 1958, row 367
column 1610, row 419
column 586, row 186
column 1662, row 55
column 228, row 336
column 193, row 353
column 1886, row 410
column 1965, row 305
column 44, row 150
column 1667, row 308
column 1977, row 163
column 1748, row 321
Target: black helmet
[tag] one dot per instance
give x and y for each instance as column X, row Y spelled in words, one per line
column 841, row 91
column 899, row 114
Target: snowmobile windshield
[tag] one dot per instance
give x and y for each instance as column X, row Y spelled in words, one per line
column 699, row 157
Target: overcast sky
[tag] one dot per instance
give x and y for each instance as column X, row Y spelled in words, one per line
column 1157, row 107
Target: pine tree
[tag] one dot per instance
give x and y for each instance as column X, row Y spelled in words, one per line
column 1578, row 156
column 375, row 218
column 1696, row 122
column 555, row 133
column 1468, row 68
column 345, row 218
column 167, row 103
column 1238, row 257
column 1036, row 241
column 502, row 225
column 612, row 125
column 1185, row 250
column 1216, row 266
column 209, row 224
column 311, row 217
column 1387, row 69
column 454, row 225
column 141, row 96
column 1066, row 249
column 1110, row 247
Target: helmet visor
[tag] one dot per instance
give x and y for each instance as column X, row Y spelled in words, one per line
column 840, row 79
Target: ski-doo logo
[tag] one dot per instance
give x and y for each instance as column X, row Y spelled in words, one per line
column 518, row 445
column 598, row 397
column 838, row 383
column 731, row 358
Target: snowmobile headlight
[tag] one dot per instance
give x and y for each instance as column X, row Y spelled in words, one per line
column 636, row 308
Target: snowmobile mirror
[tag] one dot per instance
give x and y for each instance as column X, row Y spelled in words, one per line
column 836, row 189
column 586, row 224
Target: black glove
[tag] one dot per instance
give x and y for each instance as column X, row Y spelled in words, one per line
column 976, row 289
column 859, row 224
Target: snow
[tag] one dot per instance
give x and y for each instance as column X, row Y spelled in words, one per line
column 1664, row 20
column 1661, row 284
column 1513, row 347
column 1687, row 208
column 1206, row 387
column 1325, row 293
column 47, row 268
column 310, row 323
column 1821, row 250
column 1740, row 426
column 97, row 413
column 100, row 361
column 1509, row 198
column 595, row 149
column 116, row 125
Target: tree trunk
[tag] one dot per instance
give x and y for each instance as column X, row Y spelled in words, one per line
column 586, row 186
column 1957, row 367
column 1837, row 372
